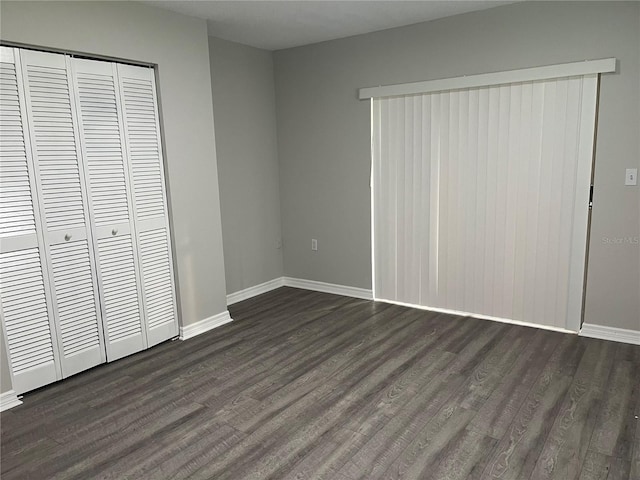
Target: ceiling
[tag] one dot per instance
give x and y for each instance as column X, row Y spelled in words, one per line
column 274, row 25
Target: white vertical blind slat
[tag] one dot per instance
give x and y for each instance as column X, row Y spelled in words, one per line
column 415, row 178
column 468, row 192
column 480, row 199
column 502, row 185
column 432, row 293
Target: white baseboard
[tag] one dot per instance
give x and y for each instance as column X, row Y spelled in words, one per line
column 328, row 288
column 250, row 292
column 588, row 330
column 205, row 325
column 299, row 283
column 8, row 400
column 610, row 333
column 479, row 316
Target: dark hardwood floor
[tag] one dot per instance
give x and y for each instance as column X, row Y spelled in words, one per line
column 307, row 385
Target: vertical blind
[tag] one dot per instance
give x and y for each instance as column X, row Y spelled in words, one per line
column 480, row 199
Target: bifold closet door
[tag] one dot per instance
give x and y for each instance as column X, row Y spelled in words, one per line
column 61, row 194
column 111, row 213
column 144, row 151
column 24, row 295
column 86, row 272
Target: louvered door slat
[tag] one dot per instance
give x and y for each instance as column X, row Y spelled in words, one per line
column 117, row 268
column 96, row 92
column 24, row 299
column 139, row 110
column 26, row 322
column 27, row 332
column 75, row 309
column 142, row 133
column 155, row 263
column 49, row 93
column 102, row 140
column 62, row 195
column 17, row 217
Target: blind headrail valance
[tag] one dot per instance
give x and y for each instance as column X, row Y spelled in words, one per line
column 587, row 67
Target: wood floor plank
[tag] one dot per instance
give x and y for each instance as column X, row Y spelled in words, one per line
column 392, row 399
column 517, row 453
column 488, row 373
column 576, row 418
column 386, row 444
column 347, row 444
column 277, row 350
column 616, row 424
column 60, row 418
column 480, row 343
column 275, row 442
column 465, row 457
column 280, row 360
column 310, row 464
column 339, row 368
column 307, row 385
column 499, row 410
column 15, row 458
column 71, row 458
column 166, row 447
column 324, row 354
column 194, row 455
column 635, row 461
column 597, row 466
column 425, row 450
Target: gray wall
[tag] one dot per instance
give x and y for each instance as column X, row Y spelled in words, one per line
column 179, row 45
column 244, row 108
column 324, row 131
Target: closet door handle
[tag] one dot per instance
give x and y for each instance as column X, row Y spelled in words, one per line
column 114, row 231
column 67, row 237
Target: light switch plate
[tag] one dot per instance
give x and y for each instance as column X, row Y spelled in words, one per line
column 631, row 176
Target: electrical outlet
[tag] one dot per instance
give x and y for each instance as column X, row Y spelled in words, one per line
column 631, row 176
column 314, row 244
column 279, row 244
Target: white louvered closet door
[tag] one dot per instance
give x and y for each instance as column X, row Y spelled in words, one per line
column 25, row 303
column 102, row 139
column 62, row 198
column 481, row 199
column 144, row 151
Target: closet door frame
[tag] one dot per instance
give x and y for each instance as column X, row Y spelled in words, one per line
column 39, row 237
column 59, row 237
column 126, row 347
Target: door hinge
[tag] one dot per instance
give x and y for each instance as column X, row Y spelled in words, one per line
column 590, row 196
